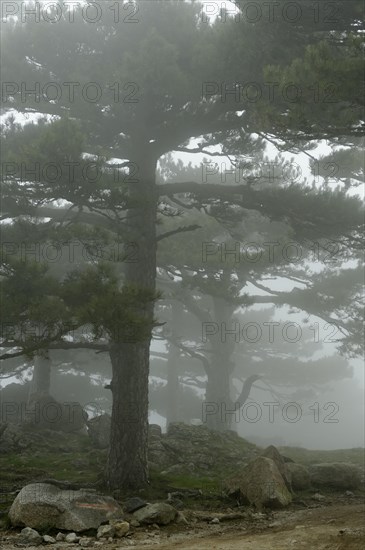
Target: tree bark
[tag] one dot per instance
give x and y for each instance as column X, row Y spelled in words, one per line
column 219, row 411
column 41, row 380
column 127, row 465
column 173, row 397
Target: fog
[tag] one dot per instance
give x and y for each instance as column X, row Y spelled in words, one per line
column 202, row 262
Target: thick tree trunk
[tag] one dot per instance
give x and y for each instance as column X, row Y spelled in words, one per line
column 41, row 380
column 127, row 466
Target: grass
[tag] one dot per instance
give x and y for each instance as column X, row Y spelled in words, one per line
column 57, row 456
column 307, row 456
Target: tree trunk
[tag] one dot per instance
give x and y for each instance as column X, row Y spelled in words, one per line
column 173, row 397
column 41, row 380
column 127, row 466
column 218, row 404
column 219, row 411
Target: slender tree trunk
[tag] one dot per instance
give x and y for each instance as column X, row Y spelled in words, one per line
column 173, row 397
column 219, row 411
column 41, row 380
column 127, row 466
column 218, row 404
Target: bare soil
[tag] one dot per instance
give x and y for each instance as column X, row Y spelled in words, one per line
column 334, row 526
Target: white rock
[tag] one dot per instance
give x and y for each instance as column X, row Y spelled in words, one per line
column 72, row 537
column 48, row 539
column 214, row 521
column 86, row 542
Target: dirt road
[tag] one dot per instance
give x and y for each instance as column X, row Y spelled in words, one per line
column 315, row 529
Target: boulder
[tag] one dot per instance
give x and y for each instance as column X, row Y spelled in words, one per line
column 44, row 411
column 300, row 477
column 260, row 483
column 41, row 409
column 159, row 513
column 40, row 505
column 13, row 399
column 335, row 475
column 11, row 438
column 98, row 429
column 273, row 453
column 133, row 504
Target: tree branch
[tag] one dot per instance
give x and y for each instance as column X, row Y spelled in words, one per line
column 178, row 230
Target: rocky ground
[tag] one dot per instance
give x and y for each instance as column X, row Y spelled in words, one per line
column 336, row 525
column 320, row 516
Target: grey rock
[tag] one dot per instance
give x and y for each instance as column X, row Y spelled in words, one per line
column 335, row 475
column 214, row 521
column 273, row 453
column 133, row 504
column 48, row 539
column 300, row 477
column 121, row 528
column 44, row 411
column 260, row 483
column 71, row 537
column 154, row 430
column 29, row 536
column 175, row 502
column 160, row 513
column 105, row 531
column 181, row 519
column 86, row 542
column 41, row 504
column 318, row 497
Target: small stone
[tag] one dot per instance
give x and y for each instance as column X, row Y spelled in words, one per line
column 60, row 537
column 72, row 537
column 85, row 542
column 134, row 523
column 349, row 494
column 318, row 496
column 48, row 539
column 181, row 519
column 105, row 531
column 29, row 535
column 214, row 521
column 121, row 528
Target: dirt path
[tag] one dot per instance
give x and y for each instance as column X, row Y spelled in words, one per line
column 316, row 529
column 306, row 529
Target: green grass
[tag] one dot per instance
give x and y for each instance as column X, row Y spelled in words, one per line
column 307, row 456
